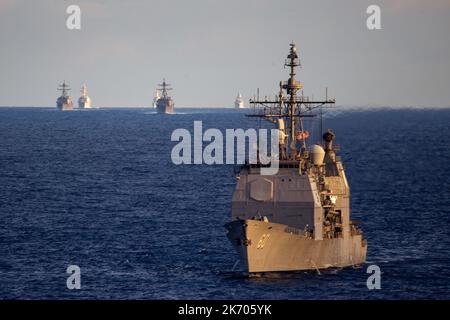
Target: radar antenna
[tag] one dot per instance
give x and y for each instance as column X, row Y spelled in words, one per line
column 64, row 88
column 292, row 108
column 164, row 88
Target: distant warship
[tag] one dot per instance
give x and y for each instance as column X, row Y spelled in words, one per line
column 165, row 103
column 64, row 102
column 299, row 218
column 84, row 102
column 239, row 102
column 156, row 98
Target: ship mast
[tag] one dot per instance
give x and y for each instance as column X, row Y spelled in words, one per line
column 164, row 88
column 293, row 108
column 84, row 90
column 64, row 88
column 291, row 87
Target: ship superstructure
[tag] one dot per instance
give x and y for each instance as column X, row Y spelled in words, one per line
column 84, row 102
column 298, row 218
column 64, row 102
column 165, row 103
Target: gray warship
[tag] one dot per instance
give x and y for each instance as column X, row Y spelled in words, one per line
column 164, row 104
column 64, row 102
column 298, row 218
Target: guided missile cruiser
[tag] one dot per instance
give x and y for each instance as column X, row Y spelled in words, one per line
column 64, row 102
column 298, row 218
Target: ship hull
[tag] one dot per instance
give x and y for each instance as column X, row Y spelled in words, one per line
column 64, row 103
column 272, row 247
column 65, row 106
column 84, row 105
column 164, row 106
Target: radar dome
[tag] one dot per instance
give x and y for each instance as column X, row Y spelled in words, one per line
column 317, row 154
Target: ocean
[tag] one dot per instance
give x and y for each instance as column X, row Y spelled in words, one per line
column 98, row 189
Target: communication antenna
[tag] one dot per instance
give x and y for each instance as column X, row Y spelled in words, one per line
column 321, row 117
column 291, row 108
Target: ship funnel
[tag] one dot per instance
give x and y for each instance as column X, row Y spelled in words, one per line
column 317, row 154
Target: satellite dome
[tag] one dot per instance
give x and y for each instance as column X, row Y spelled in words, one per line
column 317, row 154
